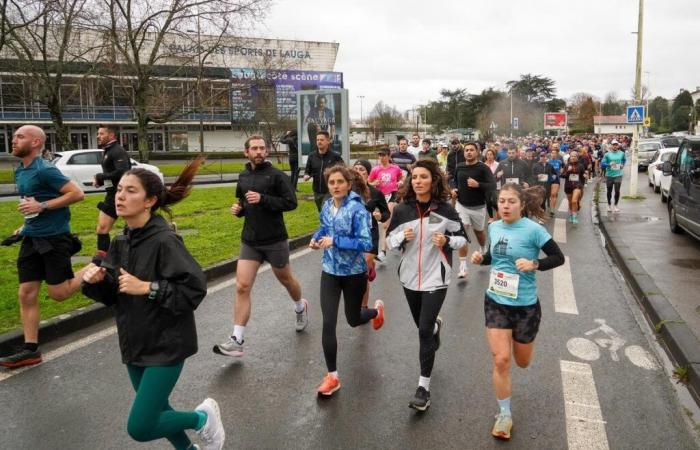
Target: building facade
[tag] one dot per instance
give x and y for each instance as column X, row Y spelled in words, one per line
column 612, row 125
column 246, row 85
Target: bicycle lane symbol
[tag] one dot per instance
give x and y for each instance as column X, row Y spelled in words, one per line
column 608, row 338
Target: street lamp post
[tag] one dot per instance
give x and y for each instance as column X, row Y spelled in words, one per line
column 199, row 84
column 637, row 100
column 361, row 97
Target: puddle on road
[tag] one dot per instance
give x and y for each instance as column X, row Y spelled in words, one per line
column 686, row 263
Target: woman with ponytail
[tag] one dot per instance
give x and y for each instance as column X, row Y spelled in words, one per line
column 155, row 285
column 511, row 307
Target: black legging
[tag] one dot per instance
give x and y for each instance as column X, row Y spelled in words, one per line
column 615, row 182
column 353, row 289
column 425, row 307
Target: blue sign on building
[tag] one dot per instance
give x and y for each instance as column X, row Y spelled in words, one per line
column 635, row 114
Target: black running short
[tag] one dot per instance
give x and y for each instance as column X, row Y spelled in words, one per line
column 523, row 320
column 277, row 254
column 107, row 206
column 46, row 258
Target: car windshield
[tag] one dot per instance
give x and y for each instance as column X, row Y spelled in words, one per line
column 666, row 156
column 649, row 146
column 671, row 142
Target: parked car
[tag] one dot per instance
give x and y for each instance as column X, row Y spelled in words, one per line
column 684, row 193
column 666, row 179
column 655, row 173
column 647, row 150
column 670, row 141
column 81, row 166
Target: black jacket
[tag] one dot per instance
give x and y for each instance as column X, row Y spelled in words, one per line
column 543, row 169
column 264, row 222
column 160, row 331
column 516, row 168
column 454, row 157
column 290, row 140
column 115, row 162
column 469, row 196
column 377, row 201
column 316, row 164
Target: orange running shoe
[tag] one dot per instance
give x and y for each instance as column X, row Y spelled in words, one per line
column 328, row 386
column 378, row 321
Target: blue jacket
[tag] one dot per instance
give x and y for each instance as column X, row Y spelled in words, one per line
column 350, row 230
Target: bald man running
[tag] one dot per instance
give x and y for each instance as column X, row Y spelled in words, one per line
column 47, row 245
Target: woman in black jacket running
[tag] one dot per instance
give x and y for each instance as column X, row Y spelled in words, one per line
column 155, row 285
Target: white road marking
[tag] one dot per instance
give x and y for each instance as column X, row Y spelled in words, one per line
column 585, row 427
column 559, row 231
column 564, row 205
column 77, row 345
column 57, row 353
column 564, row 298
column 583, row 348
column 641, row 358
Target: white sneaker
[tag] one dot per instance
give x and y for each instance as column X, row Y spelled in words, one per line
column 302, row 318
column 616, row 209
column 610, row 208
column 212, row 433
column 463, row 271
column 381, row 256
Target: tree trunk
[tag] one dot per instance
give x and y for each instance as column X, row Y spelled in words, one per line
column 63, row 141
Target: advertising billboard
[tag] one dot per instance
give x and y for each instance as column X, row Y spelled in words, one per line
column 249, row 84
column 323, row 110
column 555, row 121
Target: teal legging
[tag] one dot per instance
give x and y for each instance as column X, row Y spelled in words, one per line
column 151, row 415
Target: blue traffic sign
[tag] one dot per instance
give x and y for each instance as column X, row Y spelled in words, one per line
column 635, row 114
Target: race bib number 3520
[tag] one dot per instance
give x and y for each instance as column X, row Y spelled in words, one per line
column 504, row 284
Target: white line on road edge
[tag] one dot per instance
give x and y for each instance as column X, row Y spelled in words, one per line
column 57, row 353
column 585, row 427
column 559, row 231
column 564, row 298
column 77, row 345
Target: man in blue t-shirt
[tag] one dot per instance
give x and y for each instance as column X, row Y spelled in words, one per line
column 47, row 245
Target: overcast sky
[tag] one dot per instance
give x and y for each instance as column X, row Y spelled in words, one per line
column 404, row 52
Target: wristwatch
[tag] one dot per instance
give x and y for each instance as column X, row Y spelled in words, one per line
column 44, row 206
column 536, row 262
column 154, row 290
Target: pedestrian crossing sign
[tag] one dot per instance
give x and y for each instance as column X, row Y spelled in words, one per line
column 635, row 114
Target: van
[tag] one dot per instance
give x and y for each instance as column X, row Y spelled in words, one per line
column 684, row 193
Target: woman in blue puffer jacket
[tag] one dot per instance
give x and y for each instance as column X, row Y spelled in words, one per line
column 344, row 236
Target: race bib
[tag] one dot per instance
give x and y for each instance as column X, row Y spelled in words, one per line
column 108, row 183
column 542, row 178
column 573, row 177
column 512, row 180
column 614, row 166
column 504, row 284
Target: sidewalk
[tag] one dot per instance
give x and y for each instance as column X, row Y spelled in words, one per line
column 662, row 269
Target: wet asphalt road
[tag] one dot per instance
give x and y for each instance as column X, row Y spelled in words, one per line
column 80, row 400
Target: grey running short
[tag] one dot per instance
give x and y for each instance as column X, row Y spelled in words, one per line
column 277, row 254
column 523, row 320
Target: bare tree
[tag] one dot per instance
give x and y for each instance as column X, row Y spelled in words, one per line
column 138, row 34
column 10, row 21
column 46, row 47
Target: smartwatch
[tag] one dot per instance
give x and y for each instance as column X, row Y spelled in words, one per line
column 44, row 206
column 154, row 290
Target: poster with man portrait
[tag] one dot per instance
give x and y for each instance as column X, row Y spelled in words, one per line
column 320, row 112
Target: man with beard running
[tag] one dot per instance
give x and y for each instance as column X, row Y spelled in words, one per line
column 263, row 194
column 115, row 162
column 513, row 170
column 473, row 183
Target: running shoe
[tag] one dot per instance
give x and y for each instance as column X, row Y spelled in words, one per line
column 328, row 386
column 551, row 212
column 463, row 270
column 421, row 401
column 610, row 208
column 616, row 209
column 501, row 429
column 574, row 220
column 378, row 321
column 302, row 318
column 570, row 218
column 230, row 348
column 381, row 256
column 212, row 433
column 439, row 323
column 22, row 357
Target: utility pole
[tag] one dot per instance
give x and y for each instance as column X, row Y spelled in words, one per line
column 199, row 84
column 511, row 112
column 361, row 97
column 637, row 100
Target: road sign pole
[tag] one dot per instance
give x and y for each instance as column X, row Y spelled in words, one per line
column 637, row 99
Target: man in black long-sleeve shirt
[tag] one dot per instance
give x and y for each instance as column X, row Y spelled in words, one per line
column 263, row 194
column 318, row 161
column 115, row 162
column 473, row 182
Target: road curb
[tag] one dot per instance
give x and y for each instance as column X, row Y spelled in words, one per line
column 673, row 333
column 81, row 318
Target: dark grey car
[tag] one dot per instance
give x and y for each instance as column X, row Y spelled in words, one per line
column 684, row 194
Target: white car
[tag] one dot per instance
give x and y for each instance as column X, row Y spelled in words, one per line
column 666, row 179
column 81, row 166
column 654, row 173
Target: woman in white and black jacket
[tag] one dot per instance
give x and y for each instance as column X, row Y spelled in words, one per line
column 426, row 228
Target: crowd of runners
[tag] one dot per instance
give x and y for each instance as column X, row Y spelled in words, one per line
column 420, row 200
